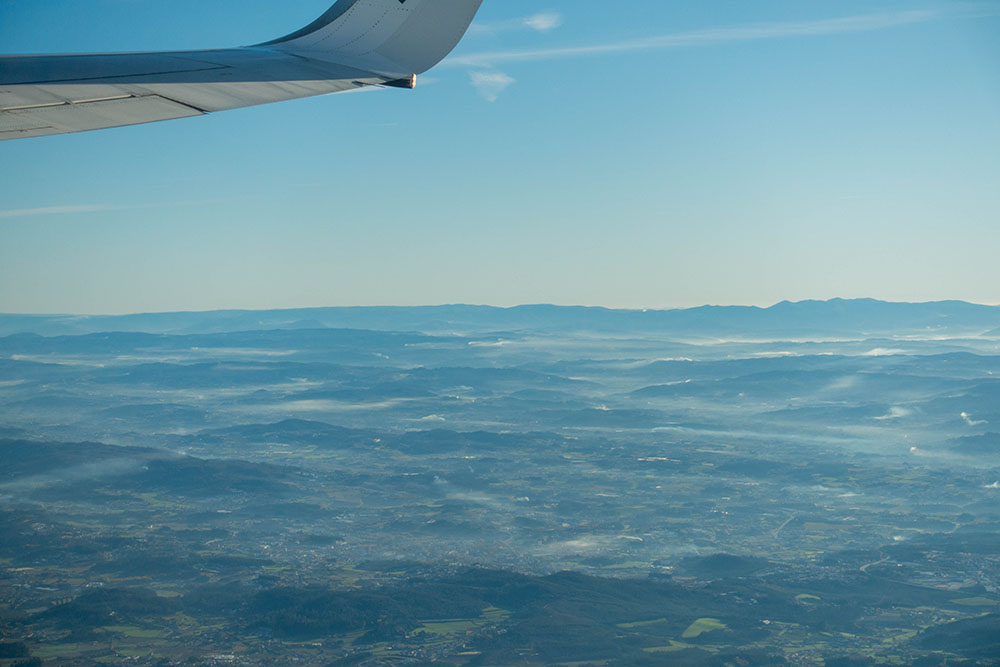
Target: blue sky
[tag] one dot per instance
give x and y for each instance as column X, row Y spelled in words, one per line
column 639, row 154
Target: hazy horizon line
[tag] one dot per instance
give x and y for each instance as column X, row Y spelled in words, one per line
column 496, row 307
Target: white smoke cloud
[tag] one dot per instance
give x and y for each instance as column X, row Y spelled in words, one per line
column 967, row 418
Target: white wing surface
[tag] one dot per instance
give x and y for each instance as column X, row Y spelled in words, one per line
column 355, row 43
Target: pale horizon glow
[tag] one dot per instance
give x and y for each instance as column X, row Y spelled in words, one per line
column 649, row 155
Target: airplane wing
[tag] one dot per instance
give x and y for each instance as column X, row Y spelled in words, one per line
column 356, row 43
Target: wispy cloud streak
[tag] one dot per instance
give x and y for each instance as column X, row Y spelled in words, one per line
column 845, row 25
column 54, row 210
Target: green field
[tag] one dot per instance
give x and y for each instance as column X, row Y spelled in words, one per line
column 703, row 625
column 977, row 602
column 442, row 627
column 56, row 651
column 641, row 624
column 674, row 647
column 445, row 627
column 134, row 632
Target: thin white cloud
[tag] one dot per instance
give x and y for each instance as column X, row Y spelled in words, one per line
column 541, row 22
column 489, row 85
column 845, row 25
column 53, row 210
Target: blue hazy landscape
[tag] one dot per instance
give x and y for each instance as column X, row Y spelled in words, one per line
column 809, row 483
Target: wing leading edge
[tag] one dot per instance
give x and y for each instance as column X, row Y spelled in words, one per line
column 355, row 43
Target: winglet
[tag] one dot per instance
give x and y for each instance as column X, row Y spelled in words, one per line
column 392, row 37
column 410, row 82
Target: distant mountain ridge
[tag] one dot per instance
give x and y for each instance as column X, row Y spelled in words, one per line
column 836, row 317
